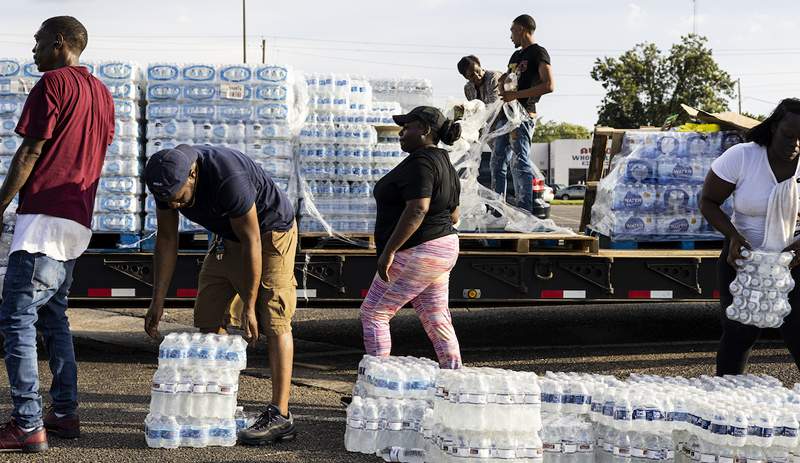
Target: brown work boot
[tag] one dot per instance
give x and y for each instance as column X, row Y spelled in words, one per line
column 12, row 437
column 66, row 427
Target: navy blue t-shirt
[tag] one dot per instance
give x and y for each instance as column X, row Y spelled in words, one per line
column 228, row 185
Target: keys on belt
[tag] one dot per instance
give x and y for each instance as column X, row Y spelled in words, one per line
column 218, row 247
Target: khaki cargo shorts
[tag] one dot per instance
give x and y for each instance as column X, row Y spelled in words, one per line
column 218, row 304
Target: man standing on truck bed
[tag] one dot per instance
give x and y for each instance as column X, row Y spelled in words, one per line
column 66, row 125
column 529, row 68
column 252, row 256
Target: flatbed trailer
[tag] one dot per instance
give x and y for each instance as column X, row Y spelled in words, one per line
column 493, row 275
column 493, row 268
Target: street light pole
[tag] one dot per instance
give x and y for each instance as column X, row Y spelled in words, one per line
column 244, row 31
column 739, row 91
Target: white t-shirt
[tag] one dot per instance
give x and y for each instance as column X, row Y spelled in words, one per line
column 746, row 165
column 57, row 238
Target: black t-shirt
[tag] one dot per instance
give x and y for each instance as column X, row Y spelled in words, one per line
column 426, row 173
column 525, row 63
column 228, row 185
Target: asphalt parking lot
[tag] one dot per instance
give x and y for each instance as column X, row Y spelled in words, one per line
column 114, row 379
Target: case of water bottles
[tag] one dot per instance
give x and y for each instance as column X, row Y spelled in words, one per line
column 761, row 289
column 406, row 409
column 653, row 187
column 193, row 394
column 408, row 92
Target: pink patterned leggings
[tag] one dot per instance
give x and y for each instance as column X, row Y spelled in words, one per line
column 420, row 275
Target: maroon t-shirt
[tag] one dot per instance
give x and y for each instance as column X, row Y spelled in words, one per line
column 74, row 112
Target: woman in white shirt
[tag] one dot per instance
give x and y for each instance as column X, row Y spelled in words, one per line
column 750, row 171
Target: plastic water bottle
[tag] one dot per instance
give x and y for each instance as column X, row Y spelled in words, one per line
column 367, row 443
column 170, row 432
column 355, row 425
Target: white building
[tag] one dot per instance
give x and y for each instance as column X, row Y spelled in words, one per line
column 564, row 162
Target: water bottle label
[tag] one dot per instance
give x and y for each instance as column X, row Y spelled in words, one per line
column 461, row 452
column 153, row 433
column 708, row 458
column 371, row 425
column 654, row 415
column 355, row 423
column 608, row 447
column 789, row 432
column 639, row 414
column 504, row 453
column 722, row 459
column 183, row 387
column 552, row 447
column 232, row 91
column 394, row 426
column 569, row 448
column 755, row 460
column 585, row 447
column 737, row 431
column 621, row 451
column 532, row 399
column 531, row 452
column 167, row 434
column 212, row 388
column 597, row 407
column 720, row 429
column 654, row 454
column 503, row 399
column 638, row 453
column 199, row 388
column 622, row 414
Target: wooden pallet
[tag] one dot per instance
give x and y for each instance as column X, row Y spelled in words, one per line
column 187, row 241
column 105, row 241
column 470, row 243
column 339, row 242
column 526, row 243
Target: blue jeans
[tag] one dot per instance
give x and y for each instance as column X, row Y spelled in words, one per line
column 514, row 148
column 35, row 297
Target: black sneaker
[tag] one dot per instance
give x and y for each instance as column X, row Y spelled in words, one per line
column 269, row 427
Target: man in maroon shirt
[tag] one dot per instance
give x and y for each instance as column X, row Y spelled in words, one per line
column 67, row 124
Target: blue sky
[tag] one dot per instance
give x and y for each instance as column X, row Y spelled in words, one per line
column 425, row 38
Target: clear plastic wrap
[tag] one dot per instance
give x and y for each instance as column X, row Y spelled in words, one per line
column 481, row 208
column 761, row 289
column 653, row 187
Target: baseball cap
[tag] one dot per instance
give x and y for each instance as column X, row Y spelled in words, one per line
column 167, row 171
column 427, row 114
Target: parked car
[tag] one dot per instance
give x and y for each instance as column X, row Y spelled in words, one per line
column 572, row 192
column 556, row 187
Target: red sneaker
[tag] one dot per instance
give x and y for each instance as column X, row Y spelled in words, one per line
column 66, row 427
column 12, row 437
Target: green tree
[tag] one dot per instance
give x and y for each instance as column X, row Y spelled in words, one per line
column 547, row 131
column 645, row 86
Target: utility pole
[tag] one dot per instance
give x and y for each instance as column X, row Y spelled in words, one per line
column 739, row 91
column 694, row 17
column 263, row 51
column 244, row 31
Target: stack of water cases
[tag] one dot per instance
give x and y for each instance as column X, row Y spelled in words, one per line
column 390, row 399
column 410, row 93
column 235, row 106
column 653, row 188
column 193, row 397
column 340, row 156
column 406, row 409
column 118, row 204
column 484, row 415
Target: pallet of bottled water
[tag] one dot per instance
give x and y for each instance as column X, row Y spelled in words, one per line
column 761, row 289
column 194, row 390
column 653, row 187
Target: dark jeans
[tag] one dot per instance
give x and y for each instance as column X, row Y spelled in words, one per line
column 35, row 297
column 514, row 149
column 737, row 338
